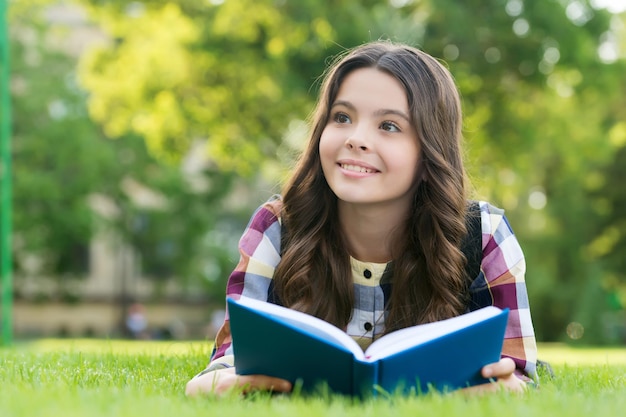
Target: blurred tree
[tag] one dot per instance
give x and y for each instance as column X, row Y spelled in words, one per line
column 65, row 169
column 232, row 73
column 609, row 200
column 58, row 156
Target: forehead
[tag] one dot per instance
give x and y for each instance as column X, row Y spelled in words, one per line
column 371, row 87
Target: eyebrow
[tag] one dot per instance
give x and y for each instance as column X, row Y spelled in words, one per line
column 379, row 112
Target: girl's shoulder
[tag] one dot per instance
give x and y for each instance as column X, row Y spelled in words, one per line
column 267, row 215
column 271, row 210
column 492, row 218
column 274, row 205
column 489, row 209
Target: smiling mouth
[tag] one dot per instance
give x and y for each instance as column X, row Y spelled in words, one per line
column 356, row 168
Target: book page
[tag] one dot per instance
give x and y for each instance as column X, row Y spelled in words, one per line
column 412, row 336
column 306, row 323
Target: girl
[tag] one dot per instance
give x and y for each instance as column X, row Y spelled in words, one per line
column 373, row 232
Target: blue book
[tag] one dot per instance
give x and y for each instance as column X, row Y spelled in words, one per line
column 446, row 355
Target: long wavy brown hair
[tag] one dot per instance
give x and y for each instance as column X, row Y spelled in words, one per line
column 428, row 281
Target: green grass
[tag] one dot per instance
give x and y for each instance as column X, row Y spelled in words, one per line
column 90, row 378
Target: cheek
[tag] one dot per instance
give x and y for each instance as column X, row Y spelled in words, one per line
column 326, row 148
column 404, row 158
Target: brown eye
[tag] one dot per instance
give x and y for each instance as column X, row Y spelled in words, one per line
column 389, row 127
column 341, row 118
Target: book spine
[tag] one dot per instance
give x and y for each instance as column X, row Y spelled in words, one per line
column 365, row 378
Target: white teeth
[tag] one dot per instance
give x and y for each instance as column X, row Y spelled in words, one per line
column 357, row 168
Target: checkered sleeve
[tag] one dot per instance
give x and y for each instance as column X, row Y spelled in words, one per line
column 259, row 251
column 503, row 269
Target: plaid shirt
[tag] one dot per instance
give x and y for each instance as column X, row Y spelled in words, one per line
column 500, row 283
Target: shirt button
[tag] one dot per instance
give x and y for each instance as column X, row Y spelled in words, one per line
column 367, row 274
column 368, row 326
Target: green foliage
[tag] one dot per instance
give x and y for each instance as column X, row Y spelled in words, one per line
column 117, row 378
column 66, row 169
column 234, row 73
column 58, row 156
column 179, row 90
column 609, row 199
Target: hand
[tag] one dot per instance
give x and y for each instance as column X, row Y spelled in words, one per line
column 502, row 373
column 222, row 381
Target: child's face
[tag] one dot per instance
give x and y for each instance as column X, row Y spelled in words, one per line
column 369, row 149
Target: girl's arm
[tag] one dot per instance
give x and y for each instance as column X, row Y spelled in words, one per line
column 223, row 381
column 503, row 268
column 259, row 249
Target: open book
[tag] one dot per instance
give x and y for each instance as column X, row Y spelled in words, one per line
column 272, row 340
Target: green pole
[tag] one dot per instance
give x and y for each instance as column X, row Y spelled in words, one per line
column 5, row 180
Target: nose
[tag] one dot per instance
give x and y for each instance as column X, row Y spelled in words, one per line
column 358, row 140
column 353, row 143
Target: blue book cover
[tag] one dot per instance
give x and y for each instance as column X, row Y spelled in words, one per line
column 309, row 352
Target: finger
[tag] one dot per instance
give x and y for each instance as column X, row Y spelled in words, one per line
column 503, row 368
column 263, row 383
column 480, row 389
column 511, row 384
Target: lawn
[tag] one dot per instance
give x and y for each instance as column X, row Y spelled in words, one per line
column 90, row 378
